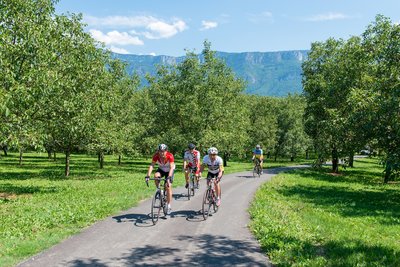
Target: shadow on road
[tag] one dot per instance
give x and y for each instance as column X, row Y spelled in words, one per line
column 190, row 215
column 212, row 250
column 140, row 220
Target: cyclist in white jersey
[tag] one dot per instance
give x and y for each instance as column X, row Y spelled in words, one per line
column 215, row 166
column 191, row 160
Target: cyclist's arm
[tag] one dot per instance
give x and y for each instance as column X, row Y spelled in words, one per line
column 151, row 167
column 184, row 165
column 221, row 171
column 171, row 170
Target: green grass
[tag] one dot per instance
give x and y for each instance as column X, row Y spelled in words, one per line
column 314, row 218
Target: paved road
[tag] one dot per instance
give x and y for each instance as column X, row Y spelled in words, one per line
column 182, row 239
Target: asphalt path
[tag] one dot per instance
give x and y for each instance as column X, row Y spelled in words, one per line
column 182, row 239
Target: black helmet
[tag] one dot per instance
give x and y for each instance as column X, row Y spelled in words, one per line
column 191, row 146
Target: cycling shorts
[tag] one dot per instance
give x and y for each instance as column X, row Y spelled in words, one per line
column 212, row 175
column 194, row 168
column 165, row 174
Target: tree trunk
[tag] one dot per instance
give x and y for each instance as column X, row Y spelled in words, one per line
column 67, row 157
column 307, row 154
column 5, row 148
column 387, row 174
column 292, row 158
column 351, row 160
column 101, row 157
column 225, row 159
column 119, row 159
column 55, row 156
column 335, row 161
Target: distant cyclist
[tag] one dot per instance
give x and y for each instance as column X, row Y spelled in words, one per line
column 191, row 160
column 166, row 168
column 215, row 167
column 258, row 156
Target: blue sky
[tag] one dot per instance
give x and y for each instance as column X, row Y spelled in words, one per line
column 168, row 27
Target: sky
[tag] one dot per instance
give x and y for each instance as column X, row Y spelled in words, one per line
column 173, row 27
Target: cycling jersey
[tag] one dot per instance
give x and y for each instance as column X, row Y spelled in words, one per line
column 193, row 158
column 163, row 164
column 258, row 153
column 213, row 166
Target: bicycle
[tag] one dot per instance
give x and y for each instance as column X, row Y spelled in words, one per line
column 257, row 169
column 209, row 199
column 192, row 181
column 159, row 201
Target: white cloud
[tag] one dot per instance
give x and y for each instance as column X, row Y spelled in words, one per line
column 160, row 29
column 115, row 37
column 261, row 17
column 328, row 16
column 148, row 26
column 206, row 25
column 153, row 54
column 118, row 50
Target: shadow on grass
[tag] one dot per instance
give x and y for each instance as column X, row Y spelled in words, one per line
column 343, row 253
column 381, row 203
column 20, row 190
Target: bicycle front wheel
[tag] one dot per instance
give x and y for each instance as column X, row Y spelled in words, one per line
column 156, row 207
column 207, row 202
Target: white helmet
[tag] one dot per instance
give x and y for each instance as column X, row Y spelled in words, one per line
column 162, row 147
column 258, row 146
column 212, row 151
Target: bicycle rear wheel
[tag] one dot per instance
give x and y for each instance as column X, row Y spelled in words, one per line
column 189, row 190
column 207, row 202
column 156, row 207
column 192, row 185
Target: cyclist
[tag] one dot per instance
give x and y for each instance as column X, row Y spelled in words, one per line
column 215, row 167
column 191, row 160
column 258, row 156
column 166, row 168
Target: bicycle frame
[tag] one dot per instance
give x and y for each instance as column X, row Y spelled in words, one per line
column 257, row 168
column 209, row 199
column 159, row 201
column 191, row 187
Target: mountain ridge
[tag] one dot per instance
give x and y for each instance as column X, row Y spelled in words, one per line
column 266, row 73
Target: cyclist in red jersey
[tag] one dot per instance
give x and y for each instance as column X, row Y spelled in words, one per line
column 191, row 160
column 166, row 168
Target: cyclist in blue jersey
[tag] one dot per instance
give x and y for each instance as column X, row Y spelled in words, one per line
column 258, row 155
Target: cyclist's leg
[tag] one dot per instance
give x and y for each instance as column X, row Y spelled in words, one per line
column 169, row 188
column 157, row 174
column 187, row 177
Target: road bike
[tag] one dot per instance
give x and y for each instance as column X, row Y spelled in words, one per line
column 257, row 171
column 209, row 199
column 159, row 201
column 193, row 184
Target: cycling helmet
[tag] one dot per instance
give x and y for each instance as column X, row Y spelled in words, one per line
column 212, row 151
column 162, row 147
column 191, row 146
column 258, row 146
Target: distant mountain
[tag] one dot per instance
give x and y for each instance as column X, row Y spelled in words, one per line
column 266, row 73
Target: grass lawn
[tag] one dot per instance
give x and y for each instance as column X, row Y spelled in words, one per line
column 314, row 218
